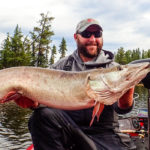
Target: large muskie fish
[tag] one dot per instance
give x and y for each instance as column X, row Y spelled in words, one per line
column 71, row 90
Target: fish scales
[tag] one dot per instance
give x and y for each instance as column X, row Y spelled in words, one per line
column 71, row 90
column 50, row 87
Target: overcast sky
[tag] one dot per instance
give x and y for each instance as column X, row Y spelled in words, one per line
column 126, row 23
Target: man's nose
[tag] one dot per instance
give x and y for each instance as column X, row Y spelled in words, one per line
column 92, row 38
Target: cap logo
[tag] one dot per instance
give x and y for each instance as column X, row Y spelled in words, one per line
column 90, row 20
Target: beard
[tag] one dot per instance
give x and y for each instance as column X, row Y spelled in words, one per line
column 83, row 50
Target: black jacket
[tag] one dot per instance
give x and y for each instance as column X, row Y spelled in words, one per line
column 108, row 121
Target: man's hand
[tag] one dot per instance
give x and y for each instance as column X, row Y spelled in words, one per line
column 126, row 101
column 25, row 102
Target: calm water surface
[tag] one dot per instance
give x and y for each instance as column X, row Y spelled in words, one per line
column 14, row 134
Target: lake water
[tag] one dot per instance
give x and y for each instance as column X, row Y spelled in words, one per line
column 14, row 134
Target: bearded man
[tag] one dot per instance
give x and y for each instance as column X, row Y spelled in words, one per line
column 54, row 129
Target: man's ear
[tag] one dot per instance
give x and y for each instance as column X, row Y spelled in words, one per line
column 75, row 37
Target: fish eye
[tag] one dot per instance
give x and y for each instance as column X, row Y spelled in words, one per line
column 119, row 68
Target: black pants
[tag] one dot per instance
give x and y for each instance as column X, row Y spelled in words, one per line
column 53, row 129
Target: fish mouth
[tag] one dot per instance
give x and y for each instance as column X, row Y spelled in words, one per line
column 139, row 74
column 146, row 67
column 142, row 68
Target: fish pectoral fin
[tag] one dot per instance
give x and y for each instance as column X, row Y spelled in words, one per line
column 12, row 95
column 97, row 112
column 100, row 111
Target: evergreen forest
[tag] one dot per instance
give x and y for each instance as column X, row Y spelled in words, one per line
column 36, row 48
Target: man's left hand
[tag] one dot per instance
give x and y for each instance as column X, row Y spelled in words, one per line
column 25, row 102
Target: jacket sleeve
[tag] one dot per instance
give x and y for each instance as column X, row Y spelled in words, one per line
column 59, row 65
column 146, row 81
column 122, row 111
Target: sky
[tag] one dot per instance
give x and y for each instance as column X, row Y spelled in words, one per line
column 125, row 23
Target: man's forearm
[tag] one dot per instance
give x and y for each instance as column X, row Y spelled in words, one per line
column 126, row 101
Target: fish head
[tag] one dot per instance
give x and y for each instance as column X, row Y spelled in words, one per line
column 119, row 77
column 136, row 71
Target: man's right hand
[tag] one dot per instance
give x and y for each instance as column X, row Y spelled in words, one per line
column 25, row 102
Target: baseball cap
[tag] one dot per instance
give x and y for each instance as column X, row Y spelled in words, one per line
column 84, row 24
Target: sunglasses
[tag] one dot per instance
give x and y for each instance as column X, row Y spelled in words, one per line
column 88, row 34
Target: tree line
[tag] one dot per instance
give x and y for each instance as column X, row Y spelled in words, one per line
column 36, row 49
column 126, row 56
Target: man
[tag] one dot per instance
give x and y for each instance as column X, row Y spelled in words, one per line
column 54, row 129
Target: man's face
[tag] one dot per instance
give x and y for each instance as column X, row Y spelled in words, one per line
column 89, row 46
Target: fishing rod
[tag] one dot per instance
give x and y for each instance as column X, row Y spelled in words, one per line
column 133, row 131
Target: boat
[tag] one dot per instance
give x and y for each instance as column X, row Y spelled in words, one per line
column 135, row 128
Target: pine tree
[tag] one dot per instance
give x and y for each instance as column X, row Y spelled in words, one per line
column 136, row 54
column 120, row 56
column 15, row 50
column 63, row 48
column 41, row 38
column 33, row 49
column 144, row 54
column 148, row 53
column 5, row 53
column 128, row 55
column 21, row 55
column 54, row 52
